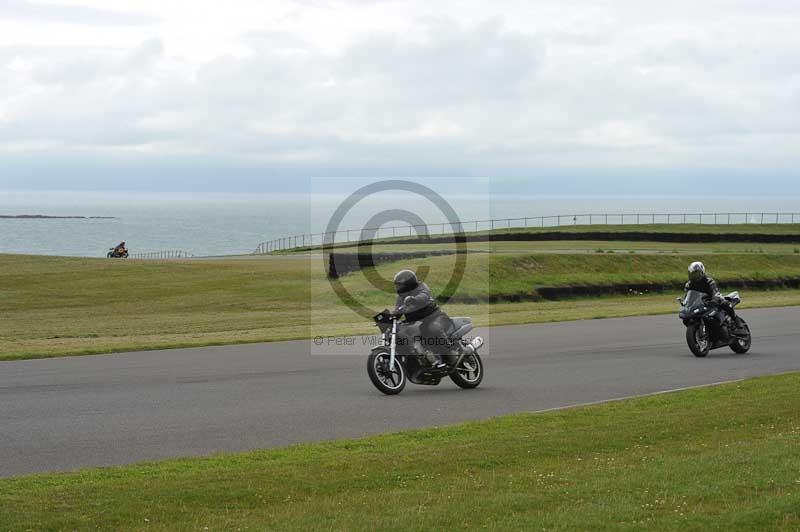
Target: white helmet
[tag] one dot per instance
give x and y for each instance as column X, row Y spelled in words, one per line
column 697, row 271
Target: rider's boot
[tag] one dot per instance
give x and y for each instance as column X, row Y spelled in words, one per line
column 437, row 362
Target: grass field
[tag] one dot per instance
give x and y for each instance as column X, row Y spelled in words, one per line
column 593, row 246
column 718, row 458
column 67, row 306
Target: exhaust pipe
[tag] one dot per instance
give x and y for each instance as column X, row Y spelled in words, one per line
column 473, row 346
column 468, row 349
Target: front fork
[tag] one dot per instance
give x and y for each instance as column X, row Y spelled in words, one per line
column 393, row 345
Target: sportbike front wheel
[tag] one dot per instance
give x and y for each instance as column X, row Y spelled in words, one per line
column 469, row 372
column 388, row 381
column 697, row 339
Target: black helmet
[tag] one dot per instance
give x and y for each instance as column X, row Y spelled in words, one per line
column 697, row 271
column 405, row 280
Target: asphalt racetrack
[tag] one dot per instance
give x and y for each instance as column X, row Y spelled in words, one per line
column 68, row 413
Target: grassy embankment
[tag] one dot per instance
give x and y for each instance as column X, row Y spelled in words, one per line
column 65, row 306
column 711, row 230
column 719, row 458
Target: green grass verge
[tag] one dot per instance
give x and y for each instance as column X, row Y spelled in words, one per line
column 717, row 458
column 56, row 306
column 593, row 246
column 517, row 273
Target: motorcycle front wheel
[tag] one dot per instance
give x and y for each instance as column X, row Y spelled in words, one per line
column 697, row 339
column 388, row 381
column 469, row 372
column 741, row 344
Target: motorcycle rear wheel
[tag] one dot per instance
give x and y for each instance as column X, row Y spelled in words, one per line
column 742, row 345
column 697, row 339
column 385, row 380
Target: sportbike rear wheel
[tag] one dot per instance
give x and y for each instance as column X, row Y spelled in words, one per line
column 741, row 343
column 388, row 381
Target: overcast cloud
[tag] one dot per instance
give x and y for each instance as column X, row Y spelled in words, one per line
column 565, row 96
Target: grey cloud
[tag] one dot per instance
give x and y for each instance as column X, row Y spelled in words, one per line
column 80, row 65
column 474, row 98
column 25, row 9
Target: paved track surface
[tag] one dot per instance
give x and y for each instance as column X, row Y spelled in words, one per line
column 69, row 413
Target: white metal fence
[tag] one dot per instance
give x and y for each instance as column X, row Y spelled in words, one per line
column 163, row 254
column 357, row 235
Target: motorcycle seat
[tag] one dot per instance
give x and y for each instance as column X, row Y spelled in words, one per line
column 461, row 326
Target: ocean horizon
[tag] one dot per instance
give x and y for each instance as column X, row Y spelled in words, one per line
column 207, row 224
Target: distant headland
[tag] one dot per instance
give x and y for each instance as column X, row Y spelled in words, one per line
column 45, row 217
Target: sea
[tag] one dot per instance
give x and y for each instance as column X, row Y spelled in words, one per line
column 214, row 224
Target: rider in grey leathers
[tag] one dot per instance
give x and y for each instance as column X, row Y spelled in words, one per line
column 415, row 301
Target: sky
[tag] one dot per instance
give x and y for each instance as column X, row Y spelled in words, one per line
column 552, row 97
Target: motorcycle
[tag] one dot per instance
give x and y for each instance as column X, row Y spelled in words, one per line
column 400, row 356
column 709, row 326
column 114, row 253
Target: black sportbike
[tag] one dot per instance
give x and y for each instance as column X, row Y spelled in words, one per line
column 400, row 356
column 709, row 326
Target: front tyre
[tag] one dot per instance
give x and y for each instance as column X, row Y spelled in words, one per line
column 390, row 382
column 741, row 344
column 697, row 339
column 469, row 372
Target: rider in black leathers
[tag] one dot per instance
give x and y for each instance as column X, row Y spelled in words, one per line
column 700, row 281
column 414, row 300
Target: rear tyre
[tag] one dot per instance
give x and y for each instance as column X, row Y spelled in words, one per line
column 390, row 382
column 697, row 339
column 741, row 344
column 110, row 255
column 469, row 372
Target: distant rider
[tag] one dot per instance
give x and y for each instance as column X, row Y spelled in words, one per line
column 700, row 281
column 414, row 300
column 120, row 249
